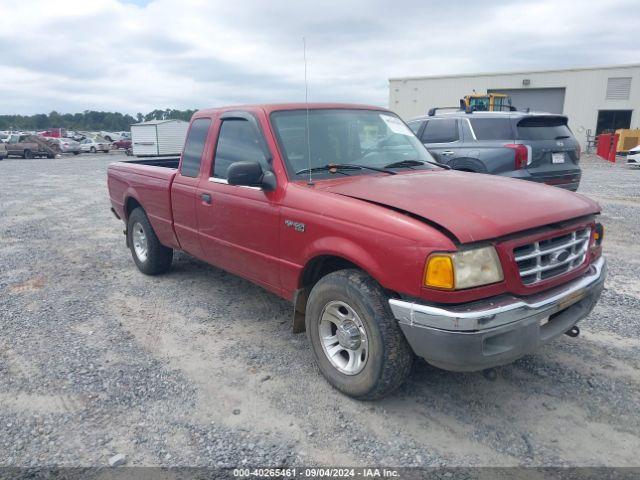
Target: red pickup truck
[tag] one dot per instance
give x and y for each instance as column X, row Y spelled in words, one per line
column 384, row 253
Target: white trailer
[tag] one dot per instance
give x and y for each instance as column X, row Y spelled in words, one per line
column 158, row 137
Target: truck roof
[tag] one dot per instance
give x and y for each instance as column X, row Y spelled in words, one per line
column 274, row 107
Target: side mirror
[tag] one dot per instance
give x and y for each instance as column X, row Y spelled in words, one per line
column 250, row 174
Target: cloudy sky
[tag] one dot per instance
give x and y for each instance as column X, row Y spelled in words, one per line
column 137, row 55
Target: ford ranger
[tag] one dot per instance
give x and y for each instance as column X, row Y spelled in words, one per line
column 384, row 253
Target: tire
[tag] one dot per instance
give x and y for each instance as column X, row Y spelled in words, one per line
column 51, row 156
column 388, row 359
column 92, row 150
column 76, row 153
column 27, row 154
column 158, row 258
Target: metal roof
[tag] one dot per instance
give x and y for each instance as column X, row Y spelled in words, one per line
column 518, row 72
column 157, row 122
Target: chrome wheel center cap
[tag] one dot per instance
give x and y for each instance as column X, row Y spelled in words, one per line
column 348, row 335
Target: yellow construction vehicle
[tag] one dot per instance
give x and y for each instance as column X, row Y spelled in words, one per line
column 488, row 102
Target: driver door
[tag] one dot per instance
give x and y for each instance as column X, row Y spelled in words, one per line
column 238, row 225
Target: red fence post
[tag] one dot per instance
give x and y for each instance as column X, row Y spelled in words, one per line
column 614, row 147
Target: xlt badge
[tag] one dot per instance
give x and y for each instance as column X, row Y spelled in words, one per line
column 297, row 226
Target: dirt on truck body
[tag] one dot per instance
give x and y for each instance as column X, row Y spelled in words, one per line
column 384, row 253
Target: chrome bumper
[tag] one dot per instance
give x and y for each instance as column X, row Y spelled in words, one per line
column 499, row 330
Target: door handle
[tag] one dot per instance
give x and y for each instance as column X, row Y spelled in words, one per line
column 448, row 152
column 206, row 198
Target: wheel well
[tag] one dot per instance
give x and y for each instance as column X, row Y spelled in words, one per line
column 320, row 266
column 313, row 271
column 130, row 205
column 465, row 170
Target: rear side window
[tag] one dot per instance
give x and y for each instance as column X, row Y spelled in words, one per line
column 543, row 128
column 440, row 131
column 194, row 146
column 238, row 141
column 492, row 128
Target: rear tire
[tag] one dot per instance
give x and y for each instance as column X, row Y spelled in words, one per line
column 76, row 153
column 150, row 256
column 92, row 150
column 27, row 154
column 367, row 357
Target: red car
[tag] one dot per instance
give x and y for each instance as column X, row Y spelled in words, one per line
column 383, row 253
column 122, row 143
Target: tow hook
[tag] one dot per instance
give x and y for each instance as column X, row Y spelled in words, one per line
column 573, row 331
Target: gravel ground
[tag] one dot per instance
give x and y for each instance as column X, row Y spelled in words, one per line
column 198, row 367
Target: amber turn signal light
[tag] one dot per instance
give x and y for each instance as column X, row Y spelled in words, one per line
column 439, row 272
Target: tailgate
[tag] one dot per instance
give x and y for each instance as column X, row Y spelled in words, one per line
column 551, row 141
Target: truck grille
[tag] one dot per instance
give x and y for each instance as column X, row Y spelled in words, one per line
column 551, row 257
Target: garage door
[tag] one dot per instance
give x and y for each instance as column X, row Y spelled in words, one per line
column 539, row 99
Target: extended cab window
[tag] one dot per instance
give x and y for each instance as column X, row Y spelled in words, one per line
column 194, row 146
column 440, row 131
column 238, row 141
column 492, row 128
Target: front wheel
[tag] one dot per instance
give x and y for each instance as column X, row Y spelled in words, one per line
column 27, row 154
column 92, row 149
column 358, row 345
column 150, row 256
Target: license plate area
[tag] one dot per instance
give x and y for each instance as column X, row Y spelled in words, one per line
column 557, row 157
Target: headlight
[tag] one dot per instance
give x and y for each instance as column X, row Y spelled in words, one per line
column 464, row 269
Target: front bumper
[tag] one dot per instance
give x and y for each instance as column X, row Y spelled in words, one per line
column 499, row 330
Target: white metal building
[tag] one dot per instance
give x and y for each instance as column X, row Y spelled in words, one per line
column 158, row 137
column 595, row 99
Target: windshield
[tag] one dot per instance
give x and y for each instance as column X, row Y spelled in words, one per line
column 347, row 137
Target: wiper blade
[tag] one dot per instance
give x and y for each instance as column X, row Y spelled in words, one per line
column 343, row 166
column 410, row 163
column 405, row 163
column 560, row 137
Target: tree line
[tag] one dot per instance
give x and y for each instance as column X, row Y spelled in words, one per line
column 88, row 120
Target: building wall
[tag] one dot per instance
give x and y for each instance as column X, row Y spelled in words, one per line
column 585, row 92
column 171, row 137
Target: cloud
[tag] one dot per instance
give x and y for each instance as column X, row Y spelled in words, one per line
column 132, row 56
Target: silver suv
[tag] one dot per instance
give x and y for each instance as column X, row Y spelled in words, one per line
column 525, row 145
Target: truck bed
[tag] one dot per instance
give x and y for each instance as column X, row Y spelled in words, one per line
column 149, row 182
column 166, row 162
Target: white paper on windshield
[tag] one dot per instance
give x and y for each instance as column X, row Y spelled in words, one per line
column 396, row 125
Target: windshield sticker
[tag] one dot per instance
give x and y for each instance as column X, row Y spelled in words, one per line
column 396, row 125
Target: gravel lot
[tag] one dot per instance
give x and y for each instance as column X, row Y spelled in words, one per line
column 198, row 367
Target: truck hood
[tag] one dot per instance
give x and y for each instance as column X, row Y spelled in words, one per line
column 472, row 206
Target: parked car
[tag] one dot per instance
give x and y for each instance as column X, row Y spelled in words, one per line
column 29, row 146
column 383, row 253
column 93, row 146
column 114, row 136
column 530, row 146
column 68, row 145
column 122, row 143
column 633, row 157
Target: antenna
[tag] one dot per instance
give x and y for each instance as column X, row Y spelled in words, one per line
column 306, row 101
